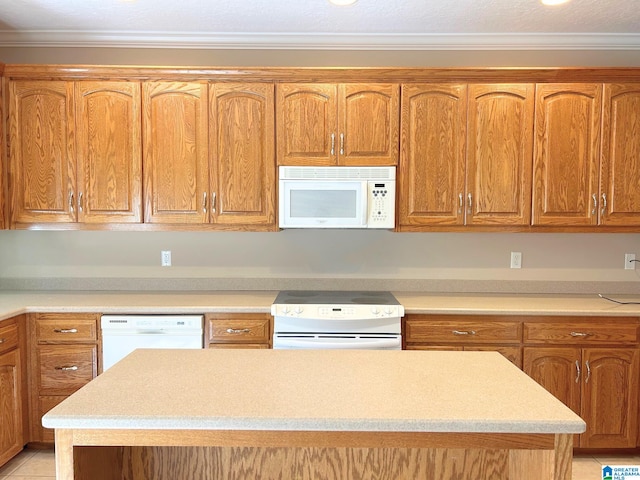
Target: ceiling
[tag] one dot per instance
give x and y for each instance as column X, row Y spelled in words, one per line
column 316, row 24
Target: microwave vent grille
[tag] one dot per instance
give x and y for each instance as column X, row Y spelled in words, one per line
column 337, row 173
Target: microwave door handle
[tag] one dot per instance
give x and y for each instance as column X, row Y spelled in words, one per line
column 365, row 205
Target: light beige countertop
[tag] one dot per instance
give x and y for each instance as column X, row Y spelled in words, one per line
column 167, row 302
column 317, row 390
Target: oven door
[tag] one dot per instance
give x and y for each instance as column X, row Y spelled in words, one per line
column 322, row 204
column 343, row 341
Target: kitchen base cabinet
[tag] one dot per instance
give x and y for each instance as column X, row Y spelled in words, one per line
column 64, row 357
column 238, row 330
column 464, row 332
column 11, row 391
column 597, row 376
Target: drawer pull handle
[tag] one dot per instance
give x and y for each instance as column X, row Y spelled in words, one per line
column 577, row 371
column 464, row 332
column 586, row 380
column 580, row 334
column 2, row 340
column 238, row 330
column 65, row 330
column 68, row 368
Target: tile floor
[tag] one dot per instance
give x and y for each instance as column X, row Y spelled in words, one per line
column 40, row 465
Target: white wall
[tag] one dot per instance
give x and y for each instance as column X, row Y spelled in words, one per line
column 434, row 261
column 430, row 261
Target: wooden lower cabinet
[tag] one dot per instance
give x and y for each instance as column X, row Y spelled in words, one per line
column 238, row 330
column 592, row 365
column 11, row 435
column 64, row 357
column 599, row 384
column 464, row 332
column 12, row 391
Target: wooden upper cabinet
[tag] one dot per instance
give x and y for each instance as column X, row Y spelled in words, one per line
column 432, row 163
column 242, row 151
column 368, row 124
column 306, row 119
column 620, row 160
column 337, row 124
column 109, row 152
column 499, row 154
column 567, row 154
column 175, row 143
column 42, row 152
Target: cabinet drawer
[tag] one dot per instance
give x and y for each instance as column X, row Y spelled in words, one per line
column 66, row 328
column 461, row 331
column 8, row 337
column 44, row 405
column 249, row 328
column 568, row 333
column 64, row 369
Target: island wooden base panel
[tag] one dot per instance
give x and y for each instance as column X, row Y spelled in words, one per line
column 243, row 463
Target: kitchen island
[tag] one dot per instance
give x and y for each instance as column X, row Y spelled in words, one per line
column 240, row 414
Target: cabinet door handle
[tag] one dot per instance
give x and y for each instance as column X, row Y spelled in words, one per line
column 604, row 204
column 460, row 203
column 213, row 202
column 469, row 203
column 580, row 334
column 80, row 202
column 595, row 204
column 2, row 340
column 204, row 202
column 464, row 332
column 67, row 368
column 333, row 144
column 586, row 380
column 71, row 201
column 238, row 330
column 342, row 144
column 65, row 330
column 577, row 371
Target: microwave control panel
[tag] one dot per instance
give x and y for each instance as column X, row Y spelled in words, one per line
column 381, row 204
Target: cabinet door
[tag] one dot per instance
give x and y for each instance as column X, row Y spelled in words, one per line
column 431, row 174
column 243, row 164
column 499, row 154
column 368, row 124
column 3, row 161
column 42, row 153
column 109, row 152
column 566, row 154
column 558, row 370
column 306, row 123
column 610, row 398
column 175, row 139
column 11, row 435
column 620, row 168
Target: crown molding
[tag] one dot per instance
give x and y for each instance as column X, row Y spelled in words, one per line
column 320, row 41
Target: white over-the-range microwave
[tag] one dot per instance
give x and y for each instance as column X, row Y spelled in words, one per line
column 337, row 197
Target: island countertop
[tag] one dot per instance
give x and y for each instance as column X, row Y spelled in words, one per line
column 315, row 390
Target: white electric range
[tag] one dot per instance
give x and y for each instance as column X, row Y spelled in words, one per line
column 337, row 319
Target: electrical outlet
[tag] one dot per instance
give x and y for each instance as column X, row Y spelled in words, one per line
column 516, row 259
column 165, row 258
column 629, row 261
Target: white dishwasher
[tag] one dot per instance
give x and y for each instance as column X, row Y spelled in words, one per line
column 122, row 334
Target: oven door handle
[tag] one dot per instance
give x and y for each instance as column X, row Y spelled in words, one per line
column 324, row 344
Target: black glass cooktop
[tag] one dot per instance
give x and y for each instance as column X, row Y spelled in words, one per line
column 324, row 297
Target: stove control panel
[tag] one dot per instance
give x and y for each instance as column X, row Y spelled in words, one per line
column 348, row 312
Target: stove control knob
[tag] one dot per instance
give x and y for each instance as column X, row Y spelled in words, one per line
column 298, row 310
column 285, row 310
column 375, row 310
column 388, row 310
